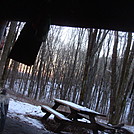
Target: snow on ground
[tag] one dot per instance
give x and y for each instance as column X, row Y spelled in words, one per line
column 130, row 128
column 20, row 110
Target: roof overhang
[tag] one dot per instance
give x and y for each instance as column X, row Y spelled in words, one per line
column 113, row 15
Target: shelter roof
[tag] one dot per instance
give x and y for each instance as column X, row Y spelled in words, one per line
column 114, row 15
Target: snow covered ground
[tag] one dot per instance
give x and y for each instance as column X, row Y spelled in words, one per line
column 21, row 110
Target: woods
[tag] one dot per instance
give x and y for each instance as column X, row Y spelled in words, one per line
column 92, row 67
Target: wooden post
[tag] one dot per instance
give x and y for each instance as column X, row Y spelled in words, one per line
column 92, row 119
column 73, row 115
column 4, row 101
column 48, row 114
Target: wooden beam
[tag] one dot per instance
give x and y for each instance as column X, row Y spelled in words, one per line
column 77, row 13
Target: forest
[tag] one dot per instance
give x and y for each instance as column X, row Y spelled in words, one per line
column 91, row 67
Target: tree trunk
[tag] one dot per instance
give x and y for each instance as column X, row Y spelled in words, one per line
column 122, row 84
column 83, row 88
column 113, row 79
column 6, row 50
column 14, row 74
column 3, row 25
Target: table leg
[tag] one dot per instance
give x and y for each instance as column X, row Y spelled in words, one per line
column 92, row 119
column 73, row 115
column 48, row 114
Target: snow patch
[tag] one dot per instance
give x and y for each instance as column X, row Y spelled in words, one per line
column 130, row 128
column 19, row 110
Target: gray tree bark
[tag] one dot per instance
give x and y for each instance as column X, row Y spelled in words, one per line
column 8, row 45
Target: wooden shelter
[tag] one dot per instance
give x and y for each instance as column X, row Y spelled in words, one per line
column 113, row 15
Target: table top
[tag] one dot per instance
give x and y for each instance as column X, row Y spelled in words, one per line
column 78, row 108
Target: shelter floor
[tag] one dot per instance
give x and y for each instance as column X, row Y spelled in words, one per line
column 14, row 126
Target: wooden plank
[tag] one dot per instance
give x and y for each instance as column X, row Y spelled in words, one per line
column 54, row 112
column 48, row 114
column 73, row 13
column 78, row 108
column 104, row 126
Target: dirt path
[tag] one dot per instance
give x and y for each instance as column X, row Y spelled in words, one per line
column 14, row 126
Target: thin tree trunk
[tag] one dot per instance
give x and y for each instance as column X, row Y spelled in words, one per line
column 3, row 25
column 6, row 50
column 113, row 79
column 83, row 89
column 122, row 82
column 14, row 74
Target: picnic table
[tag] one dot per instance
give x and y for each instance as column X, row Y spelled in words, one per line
column 76, row 112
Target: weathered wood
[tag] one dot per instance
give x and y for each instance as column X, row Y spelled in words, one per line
column 100, row 126
column 75, row 109
column 79, row 116
column 79, row 112
column 54, row 112
column 4, row 101
column 79, row 108
column 73, row 115
column 73, row 13
column 48, row 114
column 76, row 112
column 103, row 127
column 60, row 118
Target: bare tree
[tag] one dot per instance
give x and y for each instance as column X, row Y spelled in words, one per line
column 6, row 50
column 113, row 78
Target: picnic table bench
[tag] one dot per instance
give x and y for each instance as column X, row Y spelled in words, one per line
column 76, row 112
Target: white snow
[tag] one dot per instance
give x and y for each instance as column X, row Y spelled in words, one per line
column 20, row 110
column 60, row 116
column 77, row 107
column 130, row 128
